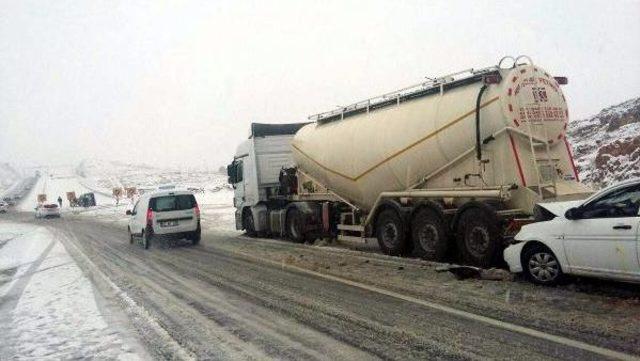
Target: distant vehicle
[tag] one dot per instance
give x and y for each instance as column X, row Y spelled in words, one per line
column 597, row 237
column 4, row 207
column 86, row 200
column 166, row 215
column 48, row 211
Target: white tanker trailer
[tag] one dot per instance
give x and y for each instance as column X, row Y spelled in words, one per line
column 453, row 166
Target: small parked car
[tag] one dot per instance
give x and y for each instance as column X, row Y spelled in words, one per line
column 48, row 211
column 165, row 215
column 597, row 237
column 4, row 207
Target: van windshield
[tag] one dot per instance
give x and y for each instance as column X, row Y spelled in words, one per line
column 172, row 203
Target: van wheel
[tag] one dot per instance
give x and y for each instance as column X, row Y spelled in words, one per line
column 146, row 239
column 295, row 226
column 429, row 235
column 248, row 224
column 195, row 238
column 391, row 233
column 478, row 237
column 541, row 266
column 130, row 235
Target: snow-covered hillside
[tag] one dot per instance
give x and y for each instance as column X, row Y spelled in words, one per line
column 607, row 146
column 8, row 176
column 106, row 175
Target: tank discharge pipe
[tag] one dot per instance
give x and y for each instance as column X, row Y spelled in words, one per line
column 478, row 144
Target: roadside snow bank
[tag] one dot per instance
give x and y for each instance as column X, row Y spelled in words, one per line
column 47, row 306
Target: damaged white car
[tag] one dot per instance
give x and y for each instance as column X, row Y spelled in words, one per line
column 596, row 237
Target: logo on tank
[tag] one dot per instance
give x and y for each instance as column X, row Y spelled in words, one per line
column 534, row 97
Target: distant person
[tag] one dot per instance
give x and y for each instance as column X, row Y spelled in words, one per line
column 60, row 201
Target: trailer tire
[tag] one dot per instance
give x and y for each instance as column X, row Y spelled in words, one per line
column 295, row 226
column 391, row 233
column 248, row 223
column 478, row 237
column 429, row 235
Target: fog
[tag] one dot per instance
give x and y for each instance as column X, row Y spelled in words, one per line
column 178, row 83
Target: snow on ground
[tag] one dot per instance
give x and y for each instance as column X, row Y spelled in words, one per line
column 212, row 192
column 56, row 183
column 48, row 308
column 9, row 175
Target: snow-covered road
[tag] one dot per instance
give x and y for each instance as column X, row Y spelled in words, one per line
column 76, row 288
column 48, row 308
column 57, row 184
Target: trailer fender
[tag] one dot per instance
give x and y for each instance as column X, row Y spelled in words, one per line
column 472, row 204
column 403, row 212
column 428, row 204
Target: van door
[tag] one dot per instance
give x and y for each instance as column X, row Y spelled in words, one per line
column 174, row 213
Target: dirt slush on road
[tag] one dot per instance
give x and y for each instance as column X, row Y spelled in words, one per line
column 233, row 297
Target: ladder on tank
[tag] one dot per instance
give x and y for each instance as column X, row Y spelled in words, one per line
column 548, row 179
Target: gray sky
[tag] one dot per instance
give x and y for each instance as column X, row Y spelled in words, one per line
column 177, row 83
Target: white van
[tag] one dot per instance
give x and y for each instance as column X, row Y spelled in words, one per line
column 165, row 214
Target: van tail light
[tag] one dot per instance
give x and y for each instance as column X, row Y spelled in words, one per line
column 196, row 210
column 149, row 216
column 562, row 80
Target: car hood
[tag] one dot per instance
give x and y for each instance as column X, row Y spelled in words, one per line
column 559, row 208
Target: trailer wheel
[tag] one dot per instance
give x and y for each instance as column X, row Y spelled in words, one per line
column 429, row 235
column 248, row 224
column 295, row 226
column 391, row 233
column 478, row 237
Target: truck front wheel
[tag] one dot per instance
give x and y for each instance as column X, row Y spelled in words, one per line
column 478, row 237
column 295, row 226
column 429, row 235
column 248, row 224
column 391, row 233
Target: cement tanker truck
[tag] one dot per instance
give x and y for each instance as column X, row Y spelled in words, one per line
column 448, row 167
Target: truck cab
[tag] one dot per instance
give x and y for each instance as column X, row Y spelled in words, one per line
column 254, row 173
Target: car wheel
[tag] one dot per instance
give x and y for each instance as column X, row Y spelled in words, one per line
column 478, row 238
column 391, row 233
column 146, row 239
column 429, row 235
column 130, row 235
column 541, row 266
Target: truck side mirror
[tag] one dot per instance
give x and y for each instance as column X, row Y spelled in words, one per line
column 129, row 213
column 573, row 213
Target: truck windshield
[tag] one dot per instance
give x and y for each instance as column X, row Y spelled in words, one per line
column 172, row 203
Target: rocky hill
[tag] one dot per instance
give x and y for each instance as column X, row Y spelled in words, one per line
column 607, row 146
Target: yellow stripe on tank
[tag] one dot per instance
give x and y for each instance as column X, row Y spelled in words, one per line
column 399, row 152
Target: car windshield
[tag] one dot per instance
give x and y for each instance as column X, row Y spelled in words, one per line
column 172, row 203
